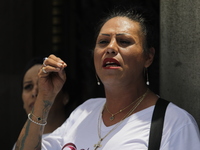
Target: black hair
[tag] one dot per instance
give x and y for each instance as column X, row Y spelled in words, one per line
column 32, row 62
column 146, row 17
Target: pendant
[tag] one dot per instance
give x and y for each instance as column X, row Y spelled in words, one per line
column 98, row 145
column 112, row 118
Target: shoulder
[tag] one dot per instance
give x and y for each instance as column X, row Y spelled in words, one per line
column 82, row 111
column 178, row 121
column 89, row 106
column 178, row 114
column 92, row 103
column 179, row 128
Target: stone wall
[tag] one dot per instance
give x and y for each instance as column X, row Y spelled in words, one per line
column 180, row 54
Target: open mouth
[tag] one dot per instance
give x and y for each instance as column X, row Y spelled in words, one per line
column 110, row 62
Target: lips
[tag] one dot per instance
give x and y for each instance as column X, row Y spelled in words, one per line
column 111, row 63
column 31, row 105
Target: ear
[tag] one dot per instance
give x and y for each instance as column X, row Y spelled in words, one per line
column 149, row 57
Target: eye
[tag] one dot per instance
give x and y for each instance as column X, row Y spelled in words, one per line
column 28, row 87
column 103, row 42
column 124, row 42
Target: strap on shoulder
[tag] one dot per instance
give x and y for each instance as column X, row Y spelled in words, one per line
column 157, row 124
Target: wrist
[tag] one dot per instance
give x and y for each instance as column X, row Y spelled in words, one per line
column 37, row 120
column 41, row 108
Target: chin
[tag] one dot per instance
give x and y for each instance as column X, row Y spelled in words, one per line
column 28, row 111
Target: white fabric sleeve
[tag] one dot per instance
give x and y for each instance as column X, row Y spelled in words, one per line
column 186, row 137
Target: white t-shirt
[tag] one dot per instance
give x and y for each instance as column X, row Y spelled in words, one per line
column 80, row 130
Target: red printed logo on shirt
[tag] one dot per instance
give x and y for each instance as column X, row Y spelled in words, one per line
column 69, row 146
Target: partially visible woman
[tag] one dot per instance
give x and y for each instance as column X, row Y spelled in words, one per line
column 62, row 106
column 58, row 114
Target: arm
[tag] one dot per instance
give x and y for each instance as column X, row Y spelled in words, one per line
column 50, row 84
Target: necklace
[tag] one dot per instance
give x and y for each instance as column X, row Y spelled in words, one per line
column 113, row 115
column 98, row 145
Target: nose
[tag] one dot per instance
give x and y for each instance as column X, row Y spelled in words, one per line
column 34, row 95
column 35, row 92
column 112, row 48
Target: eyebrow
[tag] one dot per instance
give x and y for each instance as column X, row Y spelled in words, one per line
column 27, row 82
column 116, row 34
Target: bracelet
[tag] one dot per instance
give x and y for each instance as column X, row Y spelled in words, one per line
column 41, row 124
column 38, row 118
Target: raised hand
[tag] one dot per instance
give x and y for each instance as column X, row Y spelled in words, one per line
column 51, row 76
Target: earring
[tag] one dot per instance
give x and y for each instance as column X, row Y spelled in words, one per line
column 147, row 76
column 98, row 82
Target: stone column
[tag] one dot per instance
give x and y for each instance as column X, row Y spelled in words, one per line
column 180, row 54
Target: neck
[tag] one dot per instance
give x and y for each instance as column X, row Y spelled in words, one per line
column 120, row 97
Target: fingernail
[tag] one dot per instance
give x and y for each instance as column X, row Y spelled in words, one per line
column 65, row 64
column 60, row 64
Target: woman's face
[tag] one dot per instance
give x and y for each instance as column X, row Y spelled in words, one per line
column 118, row 55
column 30, row 88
